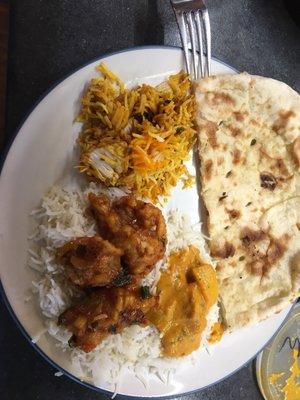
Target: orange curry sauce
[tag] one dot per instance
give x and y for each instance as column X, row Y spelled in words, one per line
column 187, row 290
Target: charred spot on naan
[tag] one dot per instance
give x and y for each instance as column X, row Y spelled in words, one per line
column 268, row 180
column 249, row 236
column 256, row 243
column 218, row 98
column 208, row 165
column 281, row 165
column 222, row 249
column 279, row 157
column 234, row 131
column 282, row 121
column 210, row 128
column 276, row 249
column 254, row 122
column 240, row 116
column 233, row 214
column 262, row 249
column 236, row 156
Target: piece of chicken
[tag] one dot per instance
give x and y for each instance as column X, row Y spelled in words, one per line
column 137, row 227
column 91, row 261
column 105, row 311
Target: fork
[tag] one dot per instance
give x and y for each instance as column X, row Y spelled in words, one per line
column 192, row 17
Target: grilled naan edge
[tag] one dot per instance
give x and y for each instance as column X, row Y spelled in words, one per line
column 249, row 146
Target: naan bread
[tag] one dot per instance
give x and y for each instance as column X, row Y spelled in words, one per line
column 249, row 145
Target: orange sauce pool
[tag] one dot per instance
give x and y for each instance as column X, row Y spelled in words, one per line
column 187, row 289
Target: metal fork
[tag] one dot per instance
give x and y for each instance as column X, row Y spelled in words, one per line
column 192, row 16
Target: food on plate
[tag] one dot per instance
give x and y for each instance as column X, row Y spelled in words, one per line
column 186, row 290
column 126, row 282
column 105, row 311
column 91, row 261
column 133, row 238
column 136, row 227
column 249, row 143
column 106, row 331
column 140, row 137
column 126, row 285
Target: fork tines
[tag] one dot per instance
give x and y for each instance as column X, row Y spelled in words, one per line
column 193, row 21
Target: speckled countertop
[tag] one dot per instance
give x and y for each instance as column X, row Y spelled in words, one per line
column 50, row 38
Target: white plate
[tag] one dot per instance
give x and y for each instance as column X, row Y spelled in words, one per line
column 41, row 153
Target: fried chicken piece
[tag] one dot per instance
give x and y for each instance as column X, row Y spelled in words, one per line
column 102, row 312
column 137, row 227
column 91, row 261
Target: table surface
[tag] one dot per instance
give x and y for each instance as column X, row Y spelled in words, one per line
column 48, row 39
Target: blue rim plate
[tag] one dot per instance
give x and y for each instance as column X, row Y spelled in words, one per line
column 46, row 132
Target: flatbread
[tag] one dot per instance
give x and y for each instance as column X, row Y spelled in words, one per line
column 249, row 146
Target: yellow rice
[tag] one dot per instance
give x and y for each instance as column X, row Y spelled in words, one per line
column 139, row 138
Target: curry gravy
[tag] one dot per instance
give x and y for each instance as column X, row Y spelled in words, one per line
column 187, row 289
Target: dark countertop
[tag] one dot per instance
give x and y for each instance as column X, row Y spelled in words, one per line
column 50, row 38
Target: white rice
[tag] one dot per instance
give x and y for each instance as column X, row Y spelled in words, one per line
column 60, row 218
